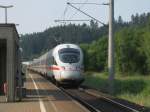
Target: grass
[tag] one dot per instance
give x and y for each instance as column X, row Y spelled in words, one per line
column 133, row 88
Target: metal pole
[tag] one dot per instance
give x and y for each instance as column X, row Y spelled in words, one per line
column 111, row 47
column 6, row 15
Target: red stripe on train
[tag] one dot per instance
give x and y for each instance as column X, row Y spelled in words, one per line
column 53, row 68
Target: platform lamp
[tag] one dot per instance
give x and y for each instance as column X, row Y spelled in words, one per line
column 6, row 7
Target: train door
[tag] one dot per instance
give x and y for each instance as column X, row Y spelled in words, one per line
column 3, row 51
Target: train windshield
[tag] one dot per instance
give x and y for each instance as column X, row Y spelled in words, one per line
column 69, row 55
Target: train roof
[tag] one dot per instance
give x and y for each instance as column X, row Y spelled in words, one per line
column 67, row 45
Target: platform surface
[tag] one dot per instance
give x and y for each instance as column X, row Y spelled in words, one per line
column 42, row 96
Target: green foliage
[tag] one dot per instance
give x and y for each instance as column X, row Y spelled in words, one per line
column 129, row 52
column 146, row 45
column 132, row 44
column 35, row 44
column 134, row 88
column 132, row 48
column 95, row 54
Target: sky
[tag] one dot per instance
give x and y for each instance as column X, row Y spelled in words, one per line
column 38, row 15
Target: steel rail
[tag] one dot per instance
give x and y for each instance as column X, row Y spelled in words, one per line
column 110, row 100
column 91, row 107
column 94, row 109
column 88, row 106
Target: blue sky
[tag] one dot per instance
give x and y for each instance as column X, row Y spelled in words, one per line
column 37, row 15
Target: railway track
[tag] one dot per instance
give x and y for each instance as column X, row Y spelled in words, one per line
column 98, row 103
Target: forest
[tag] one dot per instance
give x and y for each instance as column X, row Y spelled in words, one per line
column 132, row 44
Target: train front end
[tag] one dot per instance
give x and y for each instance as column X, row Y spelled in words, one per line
column 70, row 60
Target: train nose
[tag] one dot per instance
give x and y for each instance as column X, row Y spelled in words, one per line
column 71, row 75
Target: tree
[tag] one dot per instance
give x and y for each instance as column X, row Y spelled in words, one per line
column 120, row 20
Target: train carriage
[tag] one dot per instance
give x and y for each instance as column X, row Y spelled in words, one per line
column 64, row 64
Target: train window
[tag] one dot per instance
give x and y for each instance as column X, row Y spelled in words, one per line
column 53, row 61
column 69, row 55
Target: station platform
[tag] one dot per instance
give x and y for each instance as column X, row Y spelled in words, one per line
column 42, row 96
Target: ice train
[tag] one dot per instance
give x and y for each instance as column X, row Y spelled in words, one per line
column 63, row 64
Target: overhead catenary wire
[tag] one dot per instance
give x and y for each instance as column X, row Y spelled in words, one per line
column 64, row 14
column 63, row 20
column 91, row 3
column 79, row 8
column 65, row 11
column 85, row 13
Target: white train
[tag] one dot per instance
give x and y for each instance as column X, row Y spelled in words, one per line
column 64, row 64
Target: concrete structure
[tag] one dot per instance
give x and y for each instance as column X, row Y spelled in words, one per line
column 9, row 60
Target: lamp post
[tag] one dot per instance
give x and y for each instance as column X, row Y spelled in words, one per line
column 6, row 7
